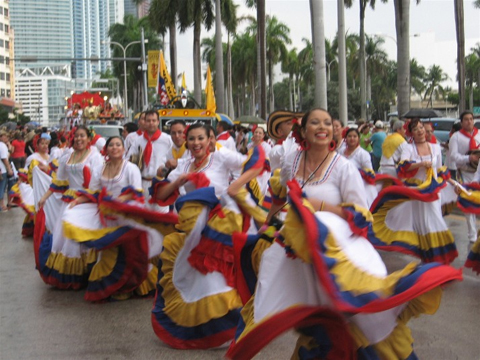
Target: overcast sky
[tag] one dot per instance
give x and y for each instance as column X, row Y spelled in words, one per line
column 432, row 22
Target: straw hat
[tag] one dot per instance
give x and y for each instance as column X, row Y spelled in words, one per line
column 278, row 117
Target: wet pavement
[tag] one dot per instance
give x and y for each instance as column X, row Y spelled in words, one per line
column 40, row 322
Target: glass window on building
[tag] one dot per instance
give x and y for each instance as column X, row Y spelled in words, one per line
column 2, row 76
column 1, row 43
column 7, row 61
column 7, row 77
column 2, row 59
column 1, row 26
column 5, row 12
column 1, row 10
column 2, row 93
column 7, row 44
column 9, row 93
column 7, row 29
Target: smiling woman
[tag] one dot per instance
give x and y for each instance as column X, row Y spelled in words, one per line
column 345, row 297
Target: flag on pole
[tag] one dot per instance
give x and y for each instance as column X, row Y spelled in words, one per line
column 184, row 84
column 209, row 93
column 166, row 88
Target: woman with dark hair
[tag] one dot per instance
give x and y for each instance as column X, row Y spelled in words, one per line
column 18, row 155
column 362, row 160
column 415, row 225
column 216, row 166
column 321, row 276
column 122, row 265
column 338, row 130
column 354, row 152
column 22, row 193
column 197, row 304
column 62, row 262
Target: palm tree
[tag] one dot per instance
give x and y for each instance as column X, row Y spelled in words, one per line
column 261, row 54
column 434, row 78
column 290, row 66
column 244, row 69
column 376, row 58
column 230, row 20
column 318, row 39
column 277, row 36
column 196, row 13
column 219, row 79
column 124, row 34
column 162, row 16
column 472, row 74
column 402, row 27
column 417, row 76
column 460, row 31
column 362, row 55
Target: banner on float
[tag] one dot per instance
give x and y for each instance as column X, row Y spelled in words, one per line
column 153, row 67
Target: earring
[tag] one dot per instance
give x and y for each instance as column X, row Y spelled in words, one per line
column 332, row 146
column 304, row 145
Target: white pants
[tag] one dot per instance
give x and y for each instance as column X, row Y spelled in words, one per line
column 467, row 177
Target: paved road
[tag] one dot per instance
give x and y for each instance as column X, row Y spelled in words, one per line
column 39, row 322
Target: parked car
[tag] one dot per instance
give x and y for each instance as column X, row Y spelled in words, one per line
column 107, row 131
column 442, row 127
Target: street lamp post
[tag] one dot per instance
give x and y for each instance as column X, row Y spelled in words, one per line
column 124, row 49
column 328, row 67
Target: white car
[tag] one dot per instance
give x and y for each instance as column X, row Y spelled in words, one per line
column 107, row 131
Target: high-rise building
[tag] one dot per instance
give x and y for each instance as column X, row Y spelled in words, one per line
column 6, row 52
column 62, row 31
column 42, row 92
column 43, row 29
column 139, row 10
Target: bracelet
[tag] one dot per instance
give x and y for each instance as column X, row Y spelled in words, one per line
column 322, row 206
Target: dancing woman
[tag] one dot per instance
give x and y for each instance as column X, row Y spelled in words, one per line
column 322, row 276
column 60, row 261
column 409, row 220
column 22, row 192
column 363, row 162
column 123, row 262
column 196, row 304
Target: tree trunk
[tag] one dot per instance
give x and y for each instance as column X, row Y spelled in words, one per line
column 460, row 30
column 318, row 42
column 342, row 65
column 173, row 52
column 231, row 108
column 402, row 26
column 263, row 58
column 362, row 62
column 271, row 105
column 219, row 76
column 290, row 97
column 197, row 66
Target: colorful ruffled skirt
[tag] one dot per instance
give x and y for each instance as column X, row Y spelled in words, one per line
column 196, row 305
column 410, row 220
column 61, row 262
column 331, row 285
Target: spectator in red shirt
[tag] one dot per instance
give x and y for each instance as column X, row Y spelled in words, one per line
column 18, row 155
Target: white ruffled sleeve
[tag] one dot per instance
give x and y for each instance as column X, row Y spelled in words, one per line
column 351, row 185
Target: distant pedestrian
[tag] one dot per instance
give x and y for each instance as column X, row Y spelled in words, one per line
column 392, row 149
column 376, row 141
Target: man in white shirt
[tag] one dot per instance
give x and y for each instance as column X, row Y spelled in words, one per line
column 133, row 136
column 279, row 128
column 392, row 149
column 5, row 169
column 464, row 146
column 153, row 147
column 224, row 137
